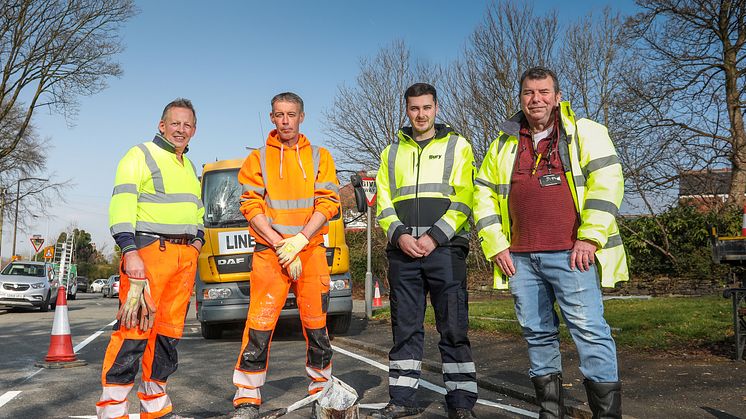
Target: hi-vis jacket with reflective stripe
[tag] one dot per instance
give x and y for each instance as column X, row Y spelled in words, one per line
column 594, row 174
column 155, row 193
column 289, row 184
column 426, row 190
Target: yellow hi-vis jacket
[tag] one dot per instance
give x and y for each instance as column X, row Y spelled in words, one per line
column 593, row 173
column 426, row 190
column 155, row 193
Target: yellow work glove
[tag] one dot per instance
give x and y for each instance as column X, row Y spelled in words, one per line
column 138, row 308
column 288, row 249
column 295, row 268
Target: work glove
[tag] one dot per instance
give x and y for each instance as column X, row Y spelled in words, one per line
column 288, row 249
column 138, row 308
column 295, row 268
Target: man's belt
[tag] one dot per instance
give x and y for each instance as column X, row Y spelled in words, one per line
column 180, row 239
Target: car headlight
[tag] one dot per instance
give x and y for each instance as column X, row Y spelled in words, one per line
column 38, row 285
column 216, row 293
column 339, row 284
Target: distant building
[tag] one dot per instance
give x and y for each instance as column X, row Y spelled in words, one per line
column 704, row 189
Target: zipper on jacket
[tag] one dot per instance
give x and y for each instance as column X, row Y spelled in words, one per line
column 417, row 188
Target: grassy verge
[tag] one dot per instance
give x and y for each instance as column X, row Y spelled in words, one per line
column 663, row 323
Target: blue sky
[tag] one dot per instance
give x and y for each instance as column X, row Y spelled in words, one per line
column 230, row 58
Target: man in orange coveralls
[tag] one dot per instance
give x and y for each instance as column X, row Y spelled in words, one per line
column 290, row 191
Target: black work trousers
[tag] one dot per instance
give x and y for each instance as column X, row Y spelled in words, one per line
column 442, row 274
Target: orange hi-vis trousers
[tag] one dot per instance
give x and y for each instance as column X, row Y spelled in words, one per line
column 270, row 284
column 170, row 270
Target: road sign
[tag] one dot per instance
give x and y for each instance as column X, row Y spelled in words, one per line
column 37, row 241
column 369, row 186
column 49, row 252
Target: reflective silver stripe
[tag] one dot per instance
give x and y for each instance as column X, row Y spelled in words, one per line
column 251, row 188
column 501, row 189
column 404, row 382
column 444, row 189
column 405, row 364
column 392, row 229
column 392, row 170
column 243, row 379
column 194, row 168
column 125, row 188
column 200, row 205
column 445, row 228
column 600, row 163
column 201, row 227
column 283, row 229
column 329, row 198
column 316, row 152
column 169, row 198
column 327, row 185
column 613, row 241
column 449, row 157
column 579, row 180
column 122, row 228
column 386, row 212
column 159, row 228
column 489, row 221
column 155, row 172
column 459, row 368
column 601, row 205
column 469, row 386
column 460, row 207
column 284, row 204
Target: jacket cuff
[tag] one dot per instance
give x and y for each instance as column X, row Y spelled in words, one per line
column 125, row 241
column 438, row 235
column 398, row 233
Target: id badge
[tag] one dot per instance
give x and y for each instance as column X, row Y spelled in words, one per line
column 550, row 180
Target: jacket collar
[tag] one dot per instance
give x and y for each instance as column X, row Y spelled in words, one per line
column 441, row 131
column 163, row 143
column 512, row 125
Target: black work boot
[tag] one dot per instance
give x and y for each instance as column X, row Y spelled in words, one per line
column 605, row 399
column 549, row 395
column 392, row 411
column 461, row 413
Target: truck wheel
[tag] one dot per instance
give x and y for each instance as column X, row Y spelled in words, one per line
column 340, row 324
column 211, row 331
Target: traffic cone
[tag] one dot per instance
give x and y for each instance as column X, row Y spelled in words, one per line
column 60, row 354
column 377, row 296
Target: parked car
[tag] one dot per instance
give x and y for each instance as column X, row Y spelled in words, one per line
column 111, row 287
column 97, row 285
column 28, row 284
column 82, row 283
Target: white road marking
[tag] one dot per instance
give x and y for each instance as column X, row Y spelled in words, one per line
column 433, row 387
column 132, row 416
column 8, row 396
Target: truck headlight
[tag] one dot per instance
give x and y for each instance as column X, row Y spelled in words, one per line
column 216, row 293
column 38, row 285
column 339, row 284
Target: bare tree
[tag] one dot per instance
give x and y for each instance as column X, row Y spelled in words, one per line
column 693, row 87
column 51, row 52
column 364, row 118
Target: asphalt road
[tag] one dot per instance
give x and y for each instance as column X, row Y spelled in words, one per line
column 202, row 386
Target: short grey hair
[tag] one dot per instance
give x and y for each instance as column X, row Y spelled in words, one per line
column 539, row 73
column 179, row 103
column 287, row 97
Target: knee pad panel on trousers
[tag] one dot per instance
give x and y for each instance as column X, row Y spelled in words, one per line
column 319, row 348
column 127, row 363
column 452, row 316
column 256, row 352
column 165, row 358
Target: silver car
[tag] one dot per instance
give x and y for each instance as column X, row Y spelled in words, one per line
column 28, row 284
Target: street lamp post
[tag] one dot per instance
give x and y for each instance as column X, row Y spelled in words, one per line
column 18, row 198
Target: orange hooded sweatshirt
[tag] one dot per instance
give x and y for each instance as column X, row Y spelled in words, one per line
column 289, row 184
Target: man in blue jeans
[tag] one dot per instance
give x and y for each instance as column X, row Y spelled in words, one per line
column 545, row 203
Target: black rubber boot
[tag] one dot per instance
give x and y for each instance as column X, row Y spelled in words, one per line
column 605, row 399
column 549, row 395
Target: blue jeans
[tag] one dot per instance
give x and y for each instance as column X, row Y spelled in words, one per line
column 542, row 278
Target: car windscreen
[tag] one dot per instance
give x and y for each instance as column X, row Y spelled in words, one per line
column 23, row 269
column 221, row 194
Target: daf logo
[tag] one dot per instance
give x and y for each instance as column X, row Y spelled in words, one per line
column 434, row 156
column 232, row 261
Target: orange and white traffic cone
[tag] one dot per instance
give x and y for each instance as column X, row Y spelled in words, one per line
column 61, row 354
column 377, row 296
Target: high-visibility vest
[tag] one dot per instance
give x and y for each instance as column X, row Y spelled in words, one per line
column 593, row 173
column 426, row 190
column 155, row 193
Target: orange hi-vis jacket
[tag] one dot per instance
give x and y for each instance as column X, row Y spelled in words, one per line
column 289, row 184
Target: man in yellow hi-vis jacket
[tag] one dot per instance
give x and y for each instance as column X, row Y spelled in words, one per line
column 545, row 202
column 424, row 193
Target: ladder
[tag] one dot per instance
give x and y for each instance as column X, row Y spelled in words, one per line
column 63, row 257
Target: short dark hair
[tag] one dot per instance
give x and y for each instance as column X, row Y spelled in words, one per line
column 179, row 103
column 539, row 73
column 420, row 89
column 287, row 97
